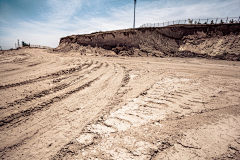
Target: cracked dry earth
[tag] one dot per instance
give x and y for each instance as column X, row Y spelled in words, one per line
column 67, row 106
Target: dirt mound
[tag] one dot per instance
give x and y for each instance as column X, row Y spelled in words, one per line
column 218, row 41
column 84, row 50
column 213, row 45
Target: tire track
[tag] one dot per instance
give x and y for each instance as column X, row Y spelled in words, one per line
column 24, row 113
column 50, row 101
column 89, row 111
column 48, row 91
column 20, row 92
column 14, row 118
column 53, row 75
column 116, row 100
column 9, row 70
column 138, row 112
column 34, row 64
column 46, row 105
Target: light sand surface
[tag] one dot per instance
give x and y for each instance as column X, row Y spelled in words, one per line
column 68, row 106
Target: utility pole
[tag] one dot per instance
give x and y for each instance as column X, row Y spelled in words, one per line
column 135, row 1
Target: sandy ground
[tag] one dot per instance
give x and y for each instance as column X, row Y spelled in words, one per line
column 67, row 106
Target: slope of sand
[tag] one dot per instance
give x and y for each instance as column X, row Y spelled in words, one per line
column 216, row 41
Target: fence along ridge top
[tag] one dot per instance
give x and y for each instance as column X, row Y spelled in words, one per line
column 194, row 21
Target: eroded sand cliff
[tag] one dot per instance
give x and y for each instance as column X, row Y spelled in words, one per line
column 218, row 41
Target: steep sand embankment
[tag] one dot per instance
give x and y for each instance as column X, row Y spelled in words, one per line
column 220, row 41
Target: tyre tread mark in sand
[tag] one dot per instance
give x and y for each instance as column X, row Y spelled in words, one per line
column 15, row 117
column 53, row 75
column 6, row 149
column 166, row 143
column 34, row 64
column 65, row 150
column 46, row 92
column 9, row 70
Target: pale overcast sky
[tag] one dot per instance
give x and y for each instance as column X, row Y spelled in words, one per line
column 44, row 22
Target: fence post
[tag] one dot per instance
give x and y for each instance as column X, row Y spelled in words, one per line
column 238, row 19
column 227, row 20
column 207, row 20
column 216, row 20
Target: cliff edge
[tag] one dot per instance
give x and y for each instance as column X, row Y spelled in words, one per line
column 216, row 41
